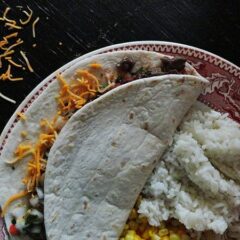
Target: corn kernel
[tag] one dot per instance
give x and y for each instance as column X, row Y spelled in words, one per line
column 155, row 237
column 162, row 225
column 174, row 237
column 129, row 237
column 165, row 238
column 131, row 232
column 163, row 232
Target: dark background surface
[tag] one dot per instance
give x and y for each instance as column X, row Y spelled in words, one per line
column 84, row 26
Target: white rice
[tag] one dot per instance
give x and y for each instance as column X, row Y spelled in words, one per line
column 187, row 186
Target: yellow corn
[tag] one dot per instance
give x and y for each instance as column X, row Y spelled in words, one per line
column 155, row 237
column 174, row 237
column 163, row 232
column 138, row 228
column 165, row 238
column 131, row 235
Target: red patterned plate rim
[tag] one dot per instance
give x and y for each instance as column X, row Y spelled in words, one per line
column 158, row 46
column 223, row 94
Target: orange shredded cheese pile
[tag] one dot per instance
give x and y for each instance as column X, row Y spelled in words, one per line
column 74, row 95
column 37, row 164
column 8, row 76
column 29, row 16
column 78, row 92
column 10, row 43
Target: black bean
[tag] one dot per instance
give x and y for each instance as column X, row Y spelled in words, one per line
column 13, row 221
column 176, row 63
column 119, row 80
column 126, row 65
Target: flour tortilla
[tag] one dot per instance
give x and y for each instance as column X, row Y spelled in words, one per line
column 46, row 107
column 107, row 150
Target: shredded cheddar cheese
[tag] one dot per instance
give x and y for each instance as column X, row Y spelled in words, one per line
column 33, row 27
column 22, row 116
column 8, row 76
column 15, row 34
column 18, row 42
column 27, row 61
column 13, row 63
column 7, row 98
column 5, row 54
column 74, row 96
column 12, row 26
column 29, row 16
column 5, row 13
column 95, row 65
column 38, row 163
column 23, row 134
column 8, row 47
column 5, row 18
column 12, row 199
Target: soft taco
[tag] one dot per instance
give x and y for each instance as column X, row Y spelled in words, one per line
column 24, row 158
column 107, row 150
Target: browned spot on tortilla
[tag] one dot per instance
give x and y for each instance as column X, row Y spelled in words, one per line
column 122, row 164
column 85, row 205
column 180, row 93
column 145, row 126
column 131, row 115
column 182, row 80
column 142, row 168
column 73, row 226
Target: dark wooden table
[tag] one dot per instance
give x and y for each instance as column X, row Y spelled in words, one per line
column 70, row 28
